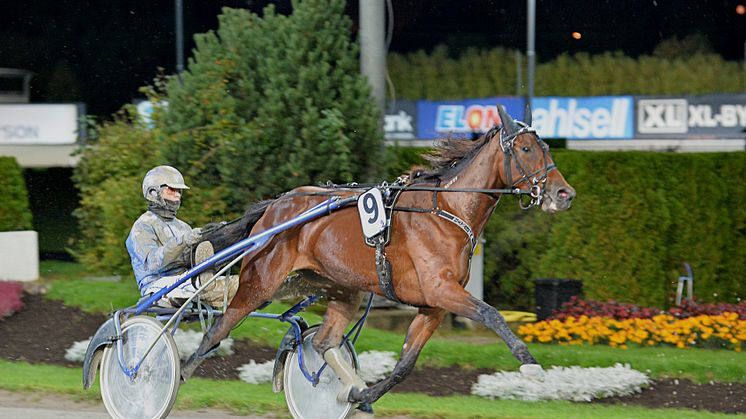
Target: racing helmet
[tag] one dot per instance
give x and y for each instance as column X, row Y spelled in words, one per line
column 158, row 177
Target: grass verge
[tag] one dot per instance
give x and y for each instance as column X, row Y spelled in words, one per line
column 243, row 398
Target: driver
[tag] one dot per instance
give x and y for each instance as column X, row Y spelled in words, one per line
column 158, row 240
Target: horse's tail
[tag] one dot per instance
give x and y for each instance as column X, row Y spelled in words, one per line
column 225, row 234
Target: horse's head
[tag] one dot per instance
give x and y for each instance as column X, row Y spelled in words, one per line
column 529, row 165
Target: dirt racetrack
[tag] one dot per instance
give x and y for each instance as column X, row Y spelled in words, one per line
column 44, row 329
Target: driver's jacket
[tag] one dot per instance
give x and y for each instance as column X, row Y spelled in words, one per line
column 156, row 247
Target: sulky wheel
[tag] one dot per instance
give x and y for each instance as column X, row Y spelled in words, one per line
column 306, row 401
column 152, row 392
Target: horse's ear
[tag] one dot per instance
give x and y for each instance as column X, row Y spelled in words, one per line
column 508, row 123
column 527, row 114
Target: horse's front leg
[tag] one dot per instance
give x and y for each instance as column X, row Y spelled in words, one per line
column 451, row 296
column 420, row 330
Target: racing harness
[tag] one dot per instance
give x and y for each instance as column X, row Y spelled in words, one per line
column 391, row 193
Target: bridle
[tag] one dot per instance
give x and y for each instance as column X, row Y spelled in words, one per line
column 536, row 179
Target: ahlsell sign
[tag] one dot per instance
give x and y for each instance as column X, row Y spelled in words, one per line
column 583, row 118
column 708, row 116
column 26, row 124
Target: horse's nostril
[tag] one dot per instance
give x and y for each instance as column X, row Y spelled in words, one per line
column 565, row 195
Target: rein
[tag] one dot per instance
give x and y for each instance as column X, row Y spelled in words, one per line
column 395, row 186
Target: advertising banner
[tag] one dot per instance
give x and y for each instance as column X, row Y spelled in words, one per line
column 463, row 118
column 400, row 121
column 707, row 116
column 26, row 124
column 583, row 118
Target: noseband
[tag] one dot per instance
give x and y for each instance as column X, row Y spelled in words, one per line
column 535, row 179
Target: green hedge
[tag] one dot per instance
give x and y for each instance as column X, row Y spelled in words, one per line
column 637, row 218
column 14, row 209
column 481, row 73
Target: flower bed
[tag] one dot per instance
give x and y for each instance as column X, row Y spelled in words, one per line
column 711, row 331
column 577, row 307
column 10, row 298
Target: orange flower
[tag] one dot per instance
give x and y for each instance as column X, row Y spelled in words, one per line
column 693, row 331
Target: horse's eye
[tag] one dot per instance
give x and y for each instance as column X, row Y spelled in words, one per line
column 526, row 149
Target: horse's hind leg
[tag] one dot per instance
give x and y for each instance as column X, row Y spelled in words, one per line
column 420, row 330
column 452, row 297
column 339, row 314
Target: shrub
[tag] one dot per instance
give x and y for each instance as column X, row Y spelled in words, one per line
column 633, row 223
column 14, row 207
column 109, row 176
column 444, row 74
column 10, row 298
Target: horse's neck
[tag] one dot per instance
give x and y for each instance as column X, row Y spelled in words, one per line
column 483, row 172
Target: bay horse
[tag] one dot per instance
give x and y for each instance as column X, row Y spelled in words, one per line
column 429, row 254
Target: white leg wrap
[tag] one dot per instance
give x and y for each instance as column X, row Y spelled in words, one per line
column 346, row 373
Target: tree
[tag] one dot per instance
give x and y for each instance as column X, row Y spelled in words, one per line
column 274, row 102
column 266, row 104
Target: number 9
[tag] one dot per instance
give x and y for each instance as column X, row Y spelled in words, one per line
column 370, row 207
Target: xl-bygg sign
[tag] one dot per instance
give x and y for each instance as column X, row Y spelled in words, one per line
column 463, row 118
column 721, row 116
column 656, row 116
column 38, row 124
column 582, row 118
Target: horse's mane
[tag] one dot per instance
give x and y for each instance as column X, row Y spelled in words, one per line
column 451, row 155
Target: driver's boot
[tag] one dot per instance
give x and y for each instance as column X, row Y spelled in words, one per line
column 203, row 252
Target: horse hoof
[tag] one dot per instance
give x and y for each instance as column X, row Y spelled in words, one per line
column 533, row 371
column 349, row 393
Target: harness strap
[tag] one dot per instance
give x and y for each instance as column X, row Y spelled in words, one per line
column 462, row 225
column 383, row 269
column 413, row 209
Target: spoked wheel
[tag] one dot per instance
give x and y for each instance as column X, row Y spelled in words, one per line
column 152, row 391
column 306, row 401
